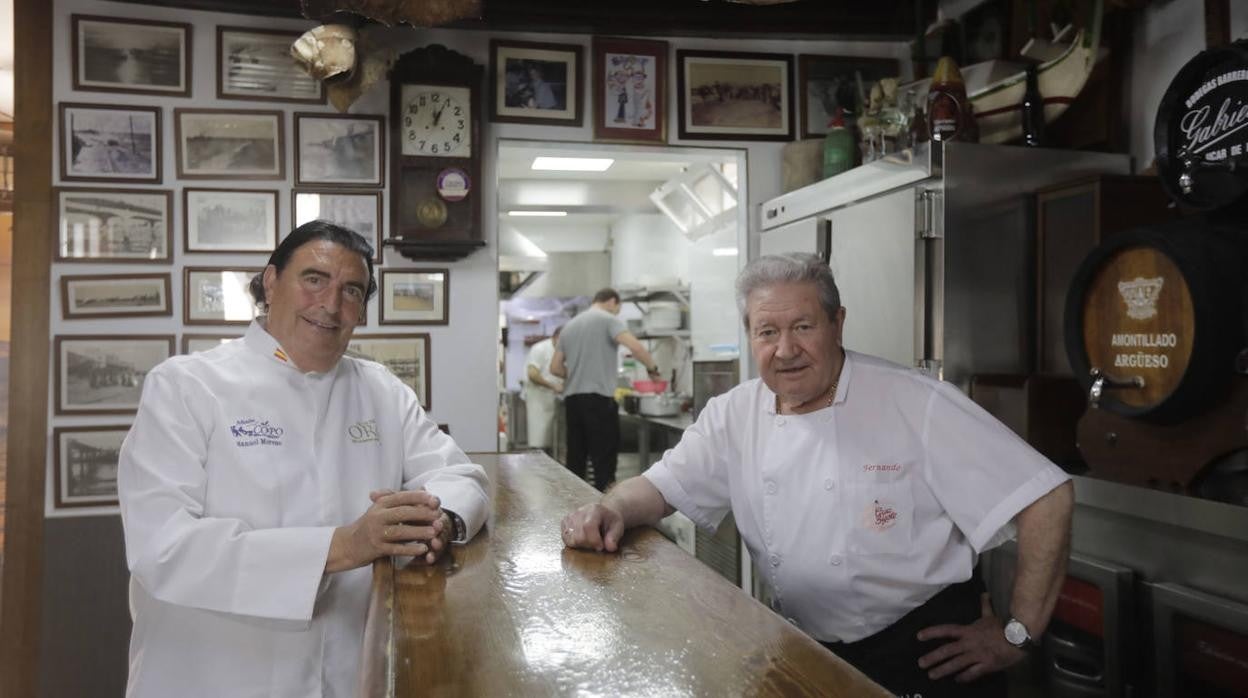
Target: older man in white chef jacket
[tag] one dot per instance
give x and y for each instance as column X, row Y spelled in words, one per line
column 262, row 477
column 865, row 492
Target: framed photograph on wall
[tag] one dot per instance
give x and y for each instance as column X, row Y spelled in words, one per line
column 225, row 144
column 355, row 210
column 630, row 90
column 114, row 54
column 84, row 463
column 729, row 95
column 114, row 225
column 406, row 355
column 105, row 143
column 415, row 296
column 229, row 220
column 115, row 295
column 535, row 83
column 828, row 82
column 195, row 343
column 339, row 149
column 103, row 374
column 256, row 64
column 218, row 296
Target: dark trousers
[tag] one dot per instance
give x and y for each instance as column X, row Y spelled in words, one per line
column 594, row 431
column 891, row 656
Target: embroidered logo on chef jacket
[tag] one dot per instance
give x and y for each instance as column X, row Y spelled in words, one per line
column 882, row 468
column 255, row 432
column 880, row 515
column 363, row 432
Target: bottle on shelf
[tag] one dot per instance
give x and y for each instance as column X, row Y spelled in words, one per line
column 838, row 146
column 1033, row 110
column 950, row 116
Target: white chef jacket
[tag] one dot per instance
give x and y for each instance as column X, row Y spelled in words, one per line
column 237, row 470
column 859, row 512
column 539, row 401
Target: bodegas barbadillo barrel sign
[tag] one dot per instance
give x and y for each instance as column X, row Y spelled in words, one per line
column 1201, row 134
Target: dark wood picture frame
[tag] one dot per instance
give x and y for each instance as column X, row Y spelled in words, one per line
column 734, row 63
column 296, row 73
column 189, row 272
column 378, row 233
column 58, row 215
column 80, row 59
column 188, row 337
column 279, row 147
column 68, row 154
column 67, row 311
column 197, row 247
column 60, row 468
column 439, row 308
column 503, row 77
column 616, row 99
column 426, row 400
column 838, row 70
column 378, row 154
column 110, row 374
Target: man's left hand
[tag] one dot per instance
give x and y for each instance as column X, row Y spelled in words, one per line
column 972, row 651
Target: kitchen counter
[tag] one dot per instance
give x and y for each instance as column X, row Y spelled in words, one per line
column 515, row 613
column 666, row 427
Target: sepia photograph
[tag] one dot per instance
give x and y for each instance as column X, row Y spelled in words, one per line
column 630, row 87
column 115, row 295
column 195, row 343
column 85, row 462
column 224, row 144
column 725, row 95
column 341, row 150
column 536, row 83
column 256, row 64
column 114, row 225
column 104, row 374
column 131, row 55
column 415, row 296
column 101, row 143
column 406, row 355
column 218, row 296
column 830, row 82
column 358, row 211
column 229, row 220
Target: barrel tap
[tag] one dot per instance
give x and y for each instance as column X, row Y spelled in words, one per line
column 1101, row 381
column 1191, row 164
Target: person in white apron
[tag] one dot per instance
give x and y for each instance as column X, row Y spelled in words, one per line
column 540, row 388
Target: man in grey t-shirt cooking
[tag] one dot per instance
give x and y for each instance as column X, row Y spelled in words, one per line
column 587, row 358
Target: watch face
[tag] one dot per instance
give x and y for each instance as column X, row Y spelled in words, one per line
column 1016, row 633
column 436, row 121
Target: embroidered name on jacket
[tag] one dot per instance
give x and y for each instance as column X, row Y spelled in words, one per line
column 363, row 432
column 254, row 432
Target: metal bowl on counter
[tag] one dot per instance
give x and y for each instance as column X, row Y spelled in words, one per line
column 660, row 405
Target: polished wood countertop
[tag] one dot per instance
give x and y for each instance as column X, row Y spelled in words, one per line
column 514, row 613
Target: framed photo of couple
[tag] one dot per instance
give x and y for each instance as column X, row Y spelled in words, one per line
column 536, row 83
column 630, row 90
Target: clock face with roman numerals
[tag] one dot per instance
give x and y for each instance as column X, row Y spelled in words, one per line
column 436, row 121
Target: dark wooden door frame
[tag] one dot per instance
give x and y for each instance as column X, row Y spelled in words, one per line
column 20, row 597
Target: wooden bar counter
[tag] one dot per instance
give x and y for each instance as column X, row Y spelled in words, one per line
column 515, row 613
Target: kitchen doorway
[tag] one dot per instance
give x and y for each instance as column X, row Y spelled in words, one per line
column 664, row 226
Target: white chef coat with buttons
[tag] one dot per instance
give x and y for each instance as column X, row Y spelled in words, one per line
column 232, row 479
column 859, row 512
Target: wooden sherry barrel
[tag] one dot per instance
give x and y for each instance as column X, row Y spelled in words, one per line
column 1157, row 314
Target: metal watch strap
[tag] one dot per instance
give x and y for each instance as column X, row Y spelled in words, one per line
column 460, row 534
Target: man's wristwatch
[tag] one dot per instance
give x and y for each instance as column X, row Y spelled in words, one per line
column 459, row 530
column 1016, row 634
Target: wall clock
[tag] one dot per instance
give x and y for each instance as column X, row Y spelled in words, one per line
column 435, row 154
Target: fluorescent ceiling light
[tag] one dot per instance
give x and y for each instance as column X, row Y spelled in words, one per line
column 572, row 164
column 724, row 252
column 537, row 213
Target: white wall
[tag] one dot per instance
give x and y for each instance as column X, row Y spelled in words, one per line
column 648, row 249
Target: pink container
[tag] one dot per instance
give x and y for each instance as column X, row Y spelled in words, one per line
column 650, row 386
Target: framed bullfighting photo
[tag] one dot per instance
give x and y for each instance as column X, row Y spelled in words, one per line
column 728, row 95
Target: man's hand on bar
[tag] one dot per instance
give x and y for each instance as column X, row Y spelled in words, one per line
column 398, row 523
column 593, row 527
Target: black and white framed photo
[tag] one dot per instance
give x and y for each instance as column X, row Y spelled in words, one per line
column 195, row 343
column 731, row 95
column 415, row 296
column 218, row 296
column 229, row 144
column 115, row 296
column 828, row 83
column 114, row 225
column 536, row 83
column 229, row 220
column 85, row 465
column 406, row 355
column 103, row 374
column 256, row 64
column 360, row 211
column 342, row 150
column 105, row 143
column 114, row 54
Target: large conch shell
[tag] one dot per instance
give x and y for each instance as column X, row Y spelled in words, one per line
column 326, row 51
